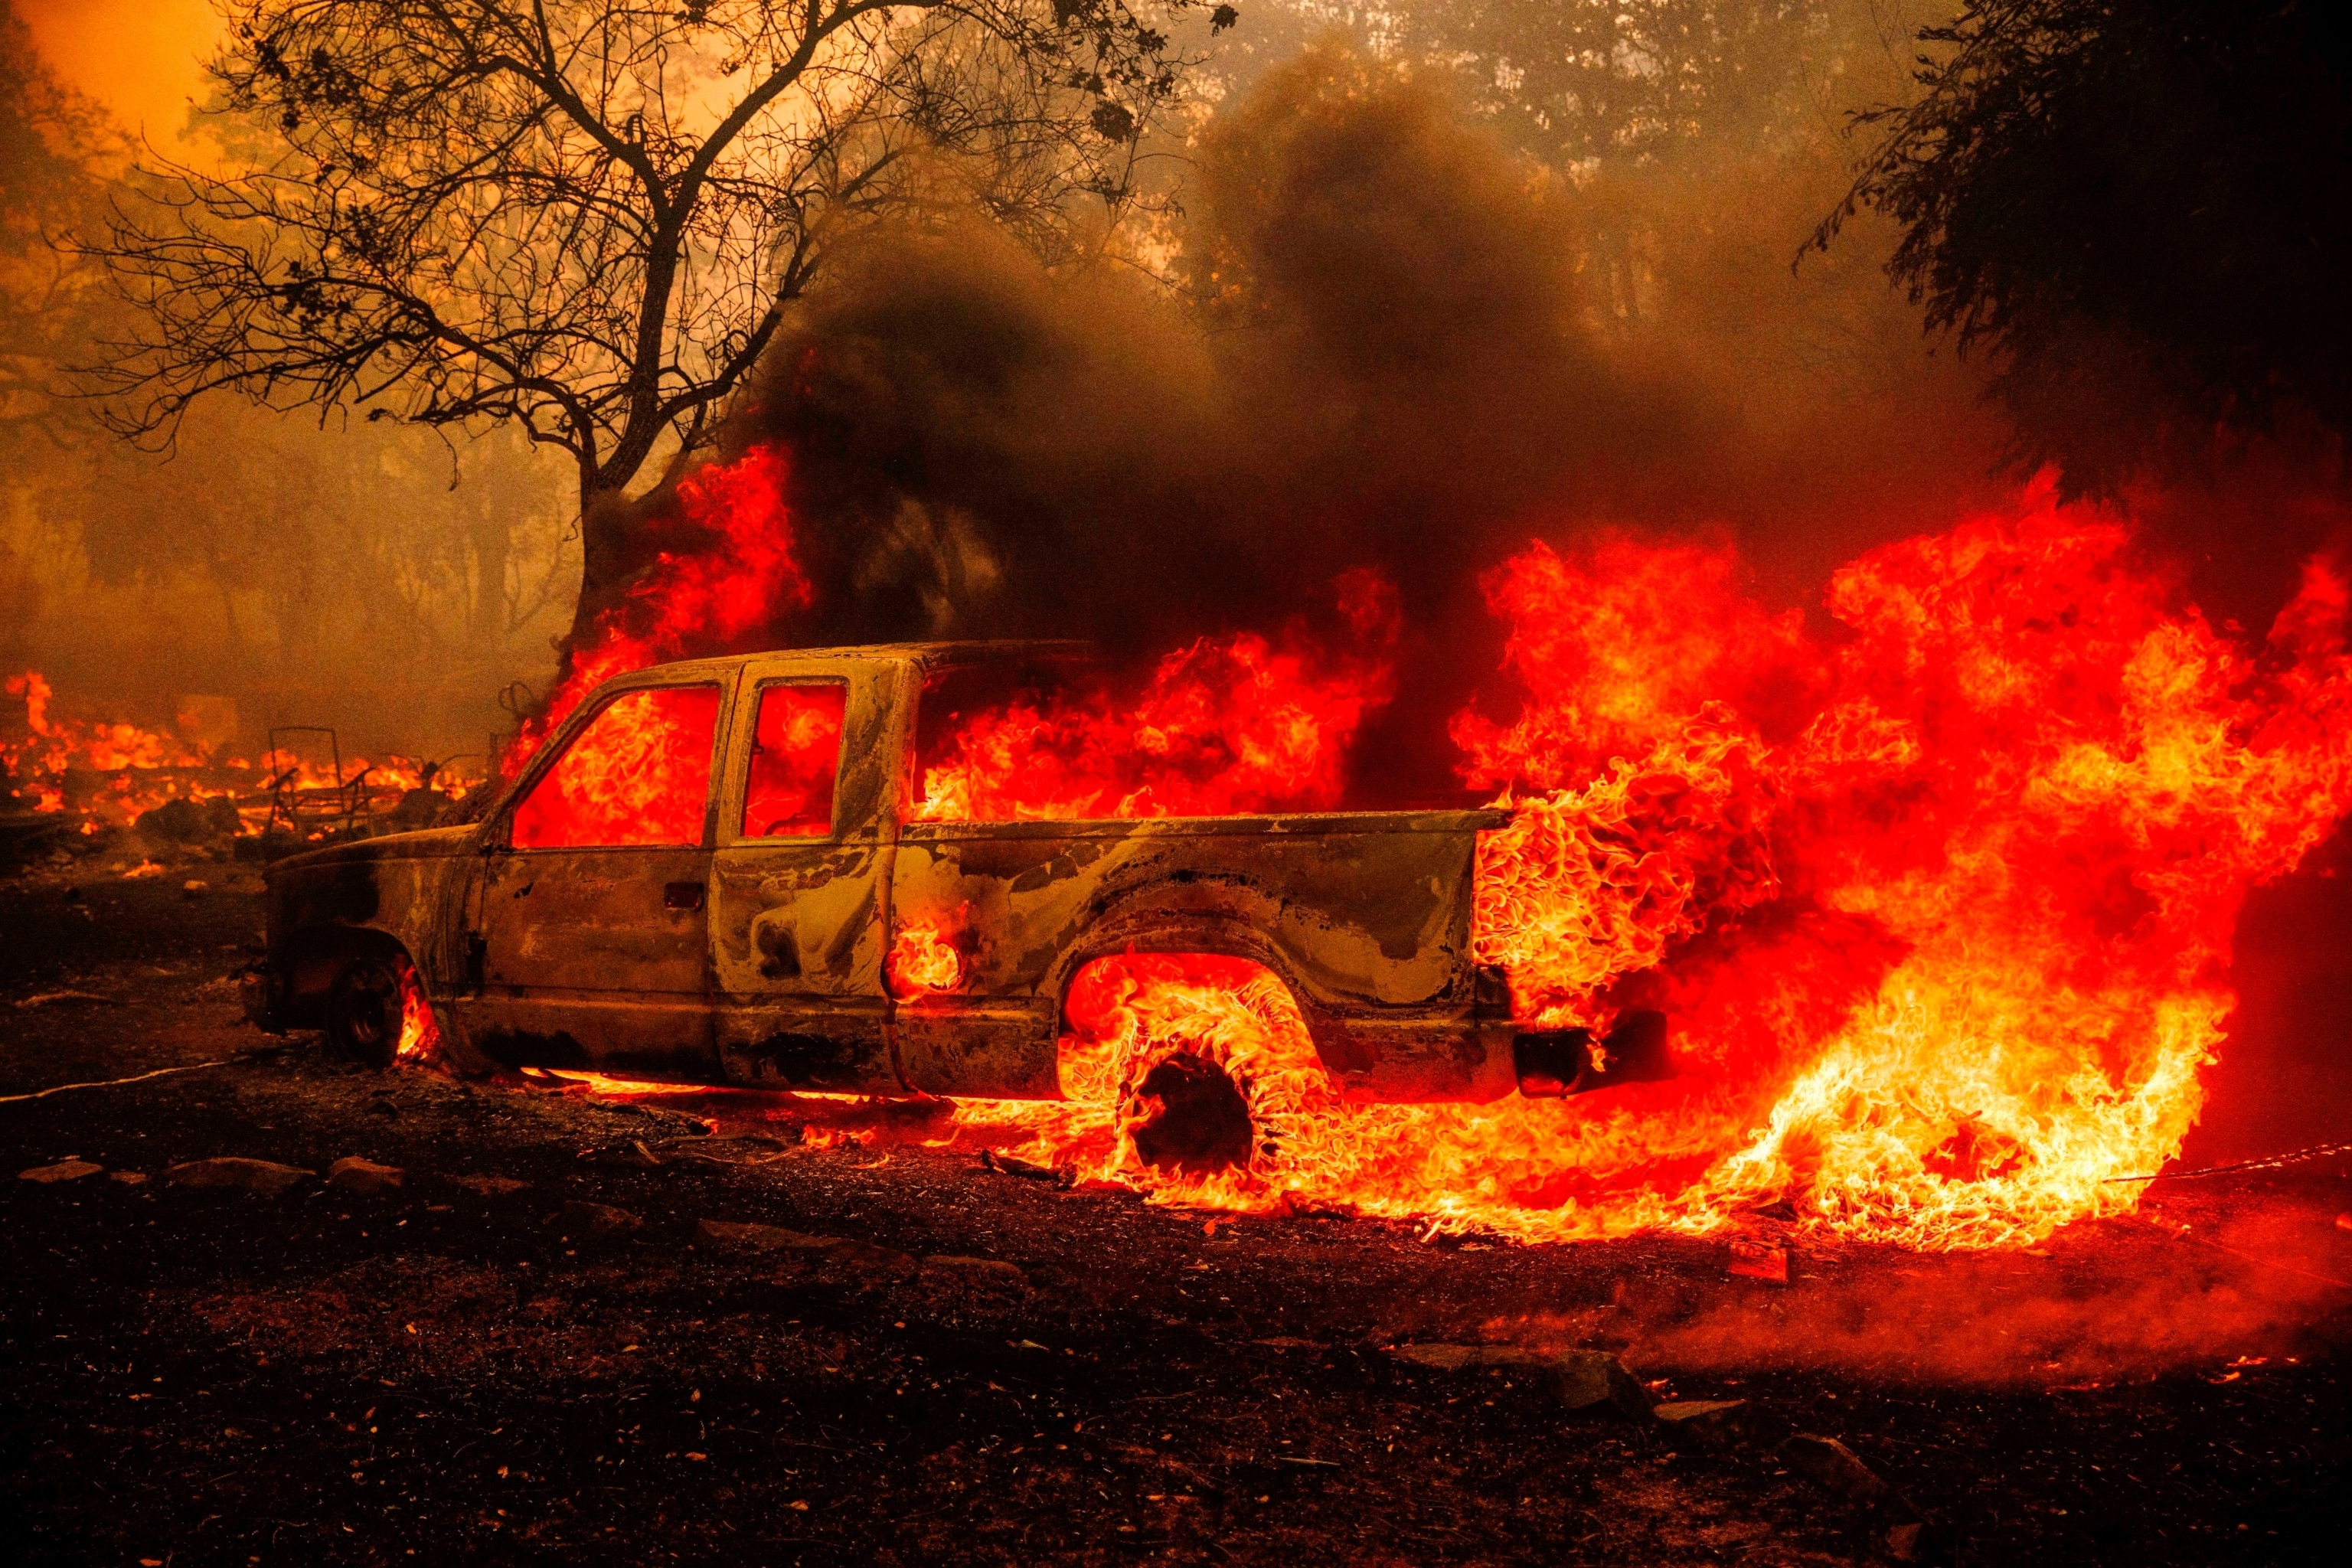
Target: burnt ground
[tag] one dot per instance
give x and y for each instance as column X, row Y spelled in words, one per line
column 446, row 1374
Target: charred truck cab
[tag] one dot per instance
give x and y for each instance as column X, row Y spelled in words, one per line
column 702, row 875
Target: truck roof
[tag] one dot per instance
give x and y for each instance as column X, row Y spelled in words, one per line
column 969, row 650
column 940, row 654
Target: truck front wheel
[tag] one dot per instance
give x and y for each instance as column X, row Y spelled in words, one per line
column 363, row 1011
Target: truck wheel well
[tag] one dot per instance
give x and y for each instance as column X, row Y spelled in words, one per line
column 314, row 958
column 1220, row 943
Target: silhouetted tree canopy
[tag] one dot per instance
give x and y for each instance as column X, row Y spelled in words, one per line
column 1572, row 82
column 2141, row 207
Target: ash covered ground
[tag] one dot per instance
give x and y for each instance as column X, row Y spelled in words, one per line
column 921, row 1360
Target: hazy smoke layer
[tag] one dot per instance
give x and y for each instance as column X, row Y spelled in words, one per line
column 1392, row 343
column 1384, row 352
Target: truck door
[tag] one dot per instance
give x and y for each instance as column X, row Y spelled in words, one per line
column 592, row 926
column 806, row 829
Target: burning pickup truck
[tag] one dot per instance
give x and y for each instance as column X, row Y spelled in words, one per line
column 738, row 871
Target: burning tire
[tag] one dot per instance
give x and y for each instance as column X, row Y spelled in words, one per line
column 1208, row 1066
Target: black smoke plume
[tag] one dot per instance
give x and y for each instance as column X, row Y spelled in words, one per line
column 1387, row 343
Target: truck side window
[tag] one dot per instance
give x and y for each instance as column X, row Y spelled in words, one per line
column 1004, row 741
column 638, row 775
column 794, row 759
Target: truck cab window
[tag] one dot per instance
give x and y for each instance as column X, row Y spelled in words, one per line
column 638, row 775
column 795, row 760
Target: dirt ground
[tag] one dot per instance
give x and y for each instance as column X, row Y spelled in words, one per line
column 994, row 1369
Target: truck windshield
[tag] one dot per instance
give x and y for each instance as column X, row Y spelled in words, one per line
column 639, row 773
column 794, row 759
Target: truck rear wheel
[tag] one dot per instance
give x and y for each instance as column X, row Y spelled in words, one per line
column 1206, row 1063
column 363, row 1011
column 1196, row 1120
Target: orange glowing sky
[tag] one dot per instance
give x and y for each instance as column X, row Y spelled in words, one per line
column 138, row 58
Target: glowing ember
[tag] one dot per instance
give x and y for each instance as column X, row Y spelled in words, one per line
column 616, row 1087
column 922, row 961
column 1939, row 908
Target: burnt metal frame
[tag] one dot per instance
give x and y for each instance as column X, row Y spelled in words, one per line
column 287, row 801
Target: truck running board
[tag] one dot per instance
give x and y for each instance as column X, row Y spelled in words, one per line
column 1555, row 1063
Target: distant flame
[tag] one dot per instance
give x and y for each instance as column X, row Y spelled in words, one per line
column 56, row 745
column 117, row 772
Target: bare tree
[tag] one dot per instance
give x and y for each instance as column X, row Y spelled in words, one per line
column 586, row 218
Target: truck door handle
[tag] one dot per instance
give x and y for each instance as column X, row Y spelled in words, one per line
column 684, row 896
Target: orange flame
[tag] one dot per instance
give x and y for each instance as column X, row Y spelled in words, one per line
column 739, row 576
column 1940, row 902
column 1224, row 725
column 117, row 772
column 57, row 745
column 615, row 1088
column 1941, row 909
column 420, row 1035
column 639, row 773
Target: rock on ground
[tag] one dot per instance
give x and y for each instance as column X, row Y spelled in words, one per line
column 1716, row 1421
column 264, row 1176
column 1586, row 1381
column 63, row 1171
column 1834, row 1468
column 365, row 1177
column 598, row 1222
column 727, row 1236
column 489, row 1186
